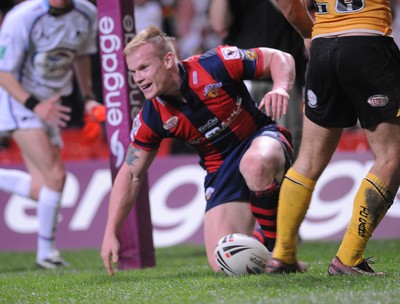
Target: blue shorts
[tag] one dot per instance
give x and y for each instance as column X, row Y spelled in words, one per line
column 227, row 183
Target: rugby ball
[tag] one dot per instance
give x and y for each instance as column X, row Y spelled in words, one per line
column 239, row 254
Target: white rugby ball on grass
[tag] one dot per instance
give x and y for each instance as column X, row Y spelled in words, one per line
column 239, row 254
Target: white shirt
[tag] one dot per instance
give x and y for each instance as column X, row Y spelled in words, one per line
column 39, row 49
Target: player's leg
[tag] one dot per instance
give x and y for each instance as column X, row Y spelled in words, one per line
column 233, row 217
column 263, row 167
column 15, row 181
column 374, row 94
column 44, row 163
column 374, row 197
column 318, row 145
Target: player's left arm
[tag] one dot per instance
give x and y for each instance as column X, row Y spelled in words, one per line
column 82, row 68
column 280, row 66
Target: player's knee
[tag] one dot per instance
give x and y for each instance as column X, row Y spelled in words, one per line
column 57, row 178
column 251, row 163
column 260, row 170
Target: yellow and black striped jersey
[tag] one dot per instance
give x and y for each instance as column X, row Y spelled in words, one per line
column 333, row 17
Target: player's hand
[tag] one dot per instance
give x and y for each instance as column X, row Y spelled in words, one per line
column 51, row 111
column 275, row 103
column 109, row 252
column 95, row 110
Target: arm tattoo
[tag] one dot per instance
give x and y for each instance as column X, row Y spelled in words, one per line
column 132, row 155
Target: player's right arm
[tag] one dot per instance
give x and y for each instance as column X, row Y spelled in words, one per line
column 297, row 14
column 122, row 198
column 12, row 86
column 220, row 16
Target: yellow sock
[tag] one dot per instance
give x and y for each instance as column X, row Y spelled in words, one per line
column 371, row 203
column 294, row 200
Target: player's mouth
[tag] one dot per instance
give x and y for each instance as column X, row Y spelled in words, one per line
column 146, row 87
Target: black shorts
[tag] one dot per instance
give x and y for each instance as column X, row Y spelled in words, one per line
column 350, row 78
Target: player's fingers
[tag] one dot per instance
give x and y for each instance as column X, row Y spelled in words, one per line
column 279, row 104
column 285, row 105
column 63, row 114
column 279, row 107
column 115, row 257
column 63, row 109
column 110, row 269
column 261, row 105
column 266, row 103
column 61, row 119
column 274, row 107
column 107, row 263
column 270, row 106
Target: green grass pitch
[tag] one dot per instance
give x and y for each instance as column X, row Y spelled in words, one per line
column 182, row 275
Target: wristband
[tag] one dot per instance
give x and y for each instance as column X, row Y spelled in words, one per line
column 31, row 103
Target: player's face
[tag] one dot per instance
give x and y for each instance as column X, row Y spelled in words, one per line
column 151, row 74
column 59, row 3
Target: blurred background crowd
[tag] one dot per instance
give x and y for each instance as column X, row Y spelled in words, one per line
column 202, row 25
column 186, row 20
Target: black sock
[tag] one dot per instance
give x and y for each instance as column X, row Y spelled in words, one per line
column 264, row 205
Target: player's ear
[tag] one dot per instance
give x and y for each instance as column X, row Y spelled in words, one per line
column 169, row 60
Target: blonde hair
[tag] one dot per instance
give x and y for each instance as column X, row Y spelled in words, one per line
column 163, row 44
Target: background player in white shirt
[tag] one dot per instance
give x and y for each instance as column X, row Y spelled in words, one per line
column 42, row 43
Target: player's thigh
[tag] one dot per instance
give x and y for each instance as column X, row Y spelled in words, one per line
column 225, row 219
column 42, row 158
column 317, row 147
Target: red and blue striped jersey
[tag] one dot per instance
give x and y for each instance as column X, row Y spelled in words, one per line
column 219, row 112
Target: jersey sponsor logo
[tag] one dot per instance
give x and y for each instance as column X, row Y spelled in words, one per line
column 378, row 100
column 170, row 123
column 211, row 90
column 213, row 132
column 230, row 53
column 235, row 113
column 53, row 64
column 312, row 99
column 250, row 55
column 209, row 124
column 227, row 122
